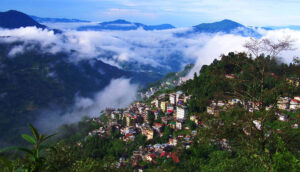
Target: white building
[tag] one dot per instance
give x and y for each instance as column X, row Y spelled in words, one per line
column 141, row 109
column 156, row 103
column 170, row 108
column 181, row 113
column 257, row 124
column 295, row 104
column 178, row 95
column 178, row 125
column 172, row 99
column 283, row 103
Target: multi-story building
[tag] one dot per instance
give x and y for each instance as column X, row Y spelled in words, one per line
column 163, row 106
column 283, row 103
column 170, row 108
column 181, row 112
column 156, row 103
column 295, row 104
column 178, row 125
column 179, row 95
column 172, row 99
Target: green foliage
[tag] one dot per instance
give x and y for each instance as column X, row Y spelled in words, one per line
column 87, row 165
column 262, row 79
column 151, row 118
column 33, row 161
column 222, row 142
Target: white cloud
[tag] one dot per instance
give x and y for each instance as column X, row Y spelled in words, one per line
column 16, row 50
column 120, row 93
column 155, row 48
column 69, row 26
column 223, row 44
column 213, row 48
column 146, row 47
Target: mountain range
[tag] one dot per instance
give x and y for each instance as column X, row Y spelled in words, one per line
column 225, row 26
column 57, row 20
column 34, row 80
column 124, row 25
column 14, row 19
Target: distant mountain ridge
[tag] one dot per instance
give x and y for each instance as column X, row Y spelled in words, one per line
column 124, row 25
column 225, row 26
column 14, row 19
column 57, row 20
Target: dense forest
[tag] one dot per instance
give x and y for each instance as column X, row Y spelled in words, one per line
column 274, row 146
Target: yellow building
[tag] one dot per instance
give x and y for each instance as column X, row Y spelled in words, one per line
column 163, row 106
column 127, row 120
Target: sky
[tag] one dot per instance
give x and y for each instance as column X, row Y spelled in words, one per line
column 180, row 13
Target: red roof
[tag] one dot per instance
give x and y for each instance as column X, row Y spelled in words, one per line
column 175, row 157
column 172, row 155
column 164, row 153
column 153, row 156
column 158, row 124
column 128, row 135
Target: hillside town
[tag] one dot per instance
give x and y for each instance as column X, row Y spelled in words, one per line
column 170, row 111
column 168, row 84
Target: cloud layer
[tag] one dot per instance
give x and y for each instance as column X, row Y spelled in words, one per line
column 223, row 44
column 118, row 94
column 154, row 48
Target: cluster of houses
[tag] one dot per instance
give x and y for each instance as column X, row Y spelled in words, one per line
column 284, row 103
column 170, row 110
column 150, row 120
column 139, row 115
column 164, row 85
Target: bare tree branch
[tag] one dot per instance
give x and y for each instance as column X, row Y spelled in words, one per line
column 269, row 47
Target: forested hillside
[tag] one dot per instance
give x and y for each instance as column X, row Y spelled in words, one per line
column 247, row 130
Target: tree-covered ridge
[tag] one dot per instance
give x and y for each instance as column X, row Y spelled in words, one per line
column 261, row 80
column 248, row 130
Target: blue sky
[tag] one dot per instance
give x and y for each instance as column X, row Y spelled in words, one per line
column 176, row 12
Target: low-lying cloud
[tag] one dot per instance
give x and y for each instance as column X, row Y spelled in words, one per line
column 120, row 93
column 225, row 43
column 154, row 48
column 65, row 26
